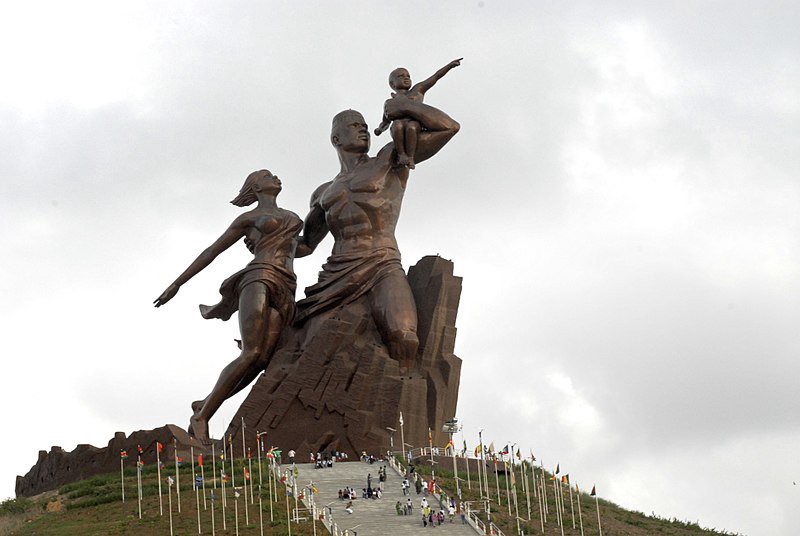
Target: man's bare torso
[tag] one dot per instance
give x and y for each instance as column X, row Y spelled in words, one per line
column 362, row 206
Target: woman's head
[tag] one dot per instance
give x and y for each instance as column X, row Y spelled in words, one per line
column 257, row 181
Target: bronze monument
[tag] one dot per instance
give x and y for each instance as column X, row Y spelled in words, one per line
column 262, row 292
column 351, row 361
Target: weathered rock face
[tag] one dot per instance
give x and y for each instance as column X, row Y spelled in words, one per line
column 58, row 467
column 332, row 385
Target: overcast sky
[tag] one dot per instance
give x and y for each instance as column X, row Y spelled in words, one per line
column 622, row 202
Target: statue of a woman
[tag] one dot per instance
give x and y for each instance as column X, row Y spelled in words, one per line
column 262, row 292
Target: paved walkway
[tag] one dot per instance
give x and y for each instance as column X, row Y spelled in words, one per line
column 372, row 517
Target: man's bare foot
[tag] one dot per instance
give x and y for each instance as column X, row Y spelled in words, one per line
column 199, row 429
column 405, row 161
column 410, row 164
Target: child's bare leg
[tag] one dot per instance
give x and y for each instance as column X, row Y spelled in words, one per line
column 411, row 132
column 399, row 137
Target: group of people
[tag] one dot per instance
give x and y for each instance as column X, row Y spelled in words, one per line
column 325, row 459
column 404, row 509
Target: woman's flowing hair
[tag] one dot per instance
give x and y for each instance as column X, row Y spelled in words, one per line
column 247, row 196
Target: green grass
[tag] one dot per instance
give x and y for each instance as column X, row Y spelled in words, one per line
column 94, row 507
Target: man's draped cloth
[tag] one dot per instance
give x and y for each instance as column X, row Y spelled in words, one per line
column 281, row 284
column 345, row 278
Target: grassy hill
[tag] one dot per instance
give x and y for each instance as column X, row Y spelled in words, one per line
column 616, row 521
column 94, row 507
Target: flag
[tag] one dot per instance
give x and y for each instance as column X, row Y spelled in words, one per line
column 465, row 445
column 504, row 451
column 159, row 447
column 248, row 453
column 198, row 481
column 513, row 479
column 430, row 435
column 236, row 492
column 140, row 463
column 449, row 445
column 123, row 454
column 180, row 461
column 594, row 491
column 170, row 481
column 519, row 454
column 533, row 458
column 225, row 477
column 161, row 464
column 477, row 450
column 401, row 418
column 558, row 468
column 212, row 497
column 491, row 447
column 139, row 448
column 200, row 460
column 565, row 479
column 222, row 455
column 246, row 474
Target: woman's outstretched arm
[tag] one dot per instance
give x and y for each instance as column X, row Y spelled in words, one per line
column 232, row 234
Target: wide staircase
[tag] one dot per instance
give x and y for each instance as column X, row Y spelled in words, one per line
column 371, row 517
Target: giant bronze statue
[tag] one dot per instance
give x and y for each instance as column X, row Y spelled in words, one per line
column 262, row 292
column 367, row 342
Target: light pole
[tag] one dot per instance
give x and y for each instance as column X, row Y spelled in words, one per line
column 402, row 438
column 451, row 427
column 391, row 439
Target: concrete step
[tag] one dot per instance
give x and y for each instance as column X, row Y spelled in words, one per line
column 372, row 517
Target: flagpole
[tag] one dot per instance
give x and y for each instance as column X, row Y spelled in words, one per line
column 260, row 511
column 139, row 480
column 250, row 465
column 244, row 475
column 466, row 460
column 497, row 482
column 236, row 507
column 580, row 515
column 222, row 480
column 222, row 477
column 571, row 507
column 544, row 490
column 169, row 491
column 214, row 465
column 196, row 491
column 233, row 472
column 288, row 519
column 597, row 505
column 558, row 508
column 258, row 455
column 177, row 473
column 122, row 473
column 158, row 465
column 203, row 476
column 541, row 500
column 527, row 487
column 508, row 491
column 269, row 484
column 213, row 523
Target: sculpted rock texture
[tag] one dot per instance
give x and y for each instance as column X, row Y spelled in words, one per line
column 58, row 467
column 332, row 384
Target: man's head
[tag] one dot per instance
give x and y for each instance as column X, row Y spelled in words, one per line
column 399, row 79
column 349, row 132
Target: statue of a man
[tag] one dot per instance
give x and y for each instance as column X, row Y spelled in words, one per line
column 360, row 208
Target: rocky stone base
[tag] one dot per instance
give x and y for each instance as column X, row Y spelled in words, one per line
column 332, row 385
column 57, row 467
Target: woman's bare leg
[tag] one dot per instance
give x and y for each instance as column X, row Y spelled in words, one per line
column 253, row 322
